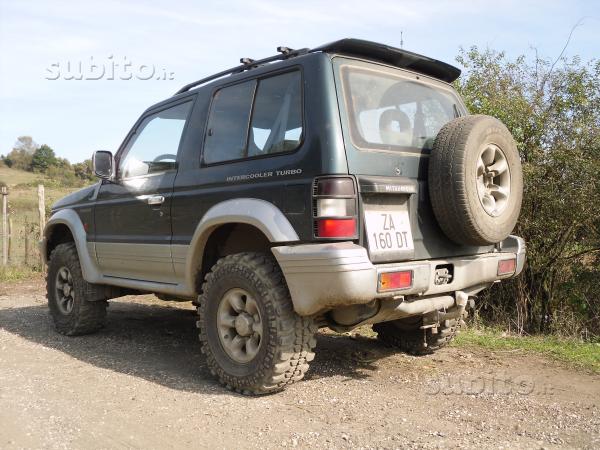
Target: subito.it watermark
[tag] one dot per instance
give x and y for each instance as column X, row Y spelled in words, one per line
column 489, row 384
column 109, row 68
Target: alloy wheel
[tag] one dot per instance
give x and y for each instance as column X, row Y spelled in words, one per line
column 64, row 290
column 239, row 325
column 493, row 180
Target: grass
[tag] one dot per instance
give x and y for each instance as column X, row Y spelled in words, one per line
column 13, row 177
column 585, row 355
column 16, row 273
column 575, row 353
column 24, row 216
column 24, row 198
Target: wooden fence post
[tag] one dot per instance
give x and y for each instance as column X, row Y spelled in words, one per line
column 10, row 239
column 41, row 209
column 27, row 230
column 4, row 192
column 42, row 213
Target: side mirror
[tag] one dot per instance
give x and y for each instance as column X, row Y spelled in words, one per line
column 102, row 163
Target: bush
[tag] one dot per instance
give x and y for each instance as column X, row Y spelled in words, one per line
column 43, row 158
column 553, row 111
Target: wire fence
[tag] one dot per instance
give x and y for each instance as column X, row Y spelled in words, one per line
column 21, row 229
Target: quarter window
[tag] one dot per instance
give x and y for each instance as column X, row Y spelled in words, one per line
column 277, row 116
column 255, row 118
column 154, row 146
column 228, row 123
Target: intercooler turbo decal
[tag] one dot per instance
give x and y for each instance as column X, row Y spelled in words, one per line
column 268, row 174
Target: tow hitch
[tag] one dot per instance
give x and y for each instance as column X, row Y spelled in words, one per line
column 437, row 319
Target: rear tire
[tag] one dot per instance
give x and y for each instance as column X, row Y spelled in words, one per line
column 254, row 341
column 406, row 335
column 76, row 306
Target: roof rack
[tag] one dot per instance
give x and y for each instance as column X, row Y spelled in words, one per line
column 357, row 47
column 247, row 64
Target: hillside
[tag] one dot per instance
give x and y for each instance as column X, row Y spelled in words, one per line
column 13, row 177
column 23, row 212
column 22, row 185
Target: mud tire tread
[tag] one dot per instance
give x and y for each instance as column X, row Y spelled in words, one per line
column 89, row 311
column 287, row 358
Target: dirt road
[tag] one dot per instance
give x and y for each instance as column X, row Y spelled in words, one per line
column 142, row 382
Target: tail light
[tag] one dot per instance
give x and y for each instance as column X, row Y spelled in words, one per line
column 507, row 266
column 335, row 208
column 391, row 281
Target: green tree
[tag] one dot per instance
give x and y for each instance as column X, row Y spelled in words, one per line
column 44, row 158
column 84, row 170
column 553, row 112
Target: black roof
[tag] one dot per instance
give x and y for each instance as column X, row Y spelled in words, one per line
column 351, row 47
column 394, row 56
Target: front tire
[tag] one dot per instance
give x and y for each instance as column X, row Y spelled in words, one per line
column 76, row 306
column 253, row 340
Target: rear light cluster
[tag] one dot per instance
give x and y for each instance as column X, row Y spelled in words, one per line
column 335, row 208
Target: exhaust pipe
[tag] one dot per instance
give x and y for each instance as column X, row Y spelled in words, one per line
column 384, row 310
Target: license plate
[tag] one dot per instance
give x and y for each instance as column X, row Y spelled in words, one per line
column 389, row 234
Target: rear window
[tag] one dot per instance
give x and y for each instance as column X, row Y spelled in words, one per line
column 255, row 118
column 390, row 111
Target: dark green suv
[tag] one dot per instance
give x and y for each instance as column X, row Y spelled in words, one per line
column 333, row 187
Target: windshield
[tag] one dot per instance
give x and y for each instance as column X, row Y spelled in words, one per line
column 390, row 111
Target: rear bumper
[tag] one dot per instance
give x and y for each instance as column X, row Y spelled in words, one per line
column 325, row 276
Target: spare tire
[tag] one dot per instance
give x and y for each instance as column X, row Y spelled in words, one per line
column 475, row 180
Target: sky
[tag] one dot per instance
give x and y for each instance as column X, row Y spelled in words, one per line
column 182, row 41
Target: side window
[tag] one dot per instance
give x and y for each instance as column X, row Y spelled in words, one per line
column 275, row 119
column 228, row 123
column 154, row 146
column 277, row 116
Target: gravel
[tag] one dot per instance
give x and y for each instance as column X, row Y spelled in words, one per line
column 142, row 382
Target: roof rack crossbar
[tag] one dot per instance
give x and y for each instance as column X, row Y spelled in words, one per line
column 247, row 64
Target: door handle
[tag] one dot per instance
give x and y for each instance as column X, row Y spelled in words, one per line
column 155, row 200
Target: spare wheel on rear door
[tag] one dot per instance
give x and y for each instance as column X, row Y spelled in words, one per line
column 475, row 180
